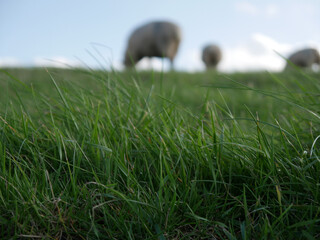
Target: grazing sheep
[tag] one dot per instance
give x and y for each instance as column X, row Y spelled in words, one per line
column 304, row 58
column 211, row 56
column 155, row 39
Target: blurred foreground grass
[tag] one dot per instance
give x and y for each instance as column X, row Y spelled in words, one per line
column 127, row 155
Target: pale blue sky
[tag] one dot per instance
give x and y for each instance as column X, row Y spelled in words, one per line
column 247, row 31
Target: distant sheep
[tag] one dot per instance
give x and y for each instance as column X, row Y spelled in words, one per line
column 155, row 39
column 304, row 58
column 211, row 56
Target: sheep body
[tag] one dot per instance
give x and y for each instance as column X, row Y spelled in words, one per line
column 155, row 39
column 304, row 58
column 211, row 56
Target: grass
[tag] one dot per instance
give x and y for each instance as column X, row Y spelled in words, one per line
column 108, row 155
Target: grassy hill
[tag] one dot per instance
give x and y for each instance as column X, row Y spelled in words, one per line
column 145, row 155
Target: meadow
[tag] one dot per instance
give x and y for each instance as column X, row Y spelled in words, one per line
column 90, row 154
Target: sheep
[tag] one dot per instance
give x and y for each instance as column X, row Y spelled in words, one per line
column 211, row 56
column 304, row 58
column 155, row 39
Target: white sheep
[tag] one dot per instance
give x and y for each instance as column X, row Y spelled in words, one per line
column 155, row 39
column 211, row 56
column 304, row 58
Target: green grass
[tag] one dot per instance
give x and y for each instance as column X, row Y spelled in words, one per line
column 110, row 155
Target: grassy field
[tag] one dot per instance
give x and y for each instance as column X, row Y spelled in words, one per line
column 144, row 155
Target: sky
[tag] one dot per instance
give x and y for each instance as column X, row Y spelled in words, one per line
column 253, row 35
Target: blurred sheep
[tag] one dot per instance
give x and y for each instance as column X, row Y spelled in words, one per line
column 211, row 56
column 304, row 58
column 155, row 39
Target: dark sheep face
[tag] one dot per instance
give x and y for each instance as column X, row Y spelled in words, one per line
column 317, row 58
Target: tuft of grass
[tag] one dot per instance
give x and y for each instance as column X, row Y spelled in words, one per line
column 108, row 155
